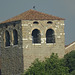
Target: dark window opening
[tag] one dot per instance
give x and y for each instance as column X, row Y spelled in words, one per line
column 0, row 71
column 14, row 24
column 6, row 26
column 49, row 22
column 7, row 38
column 50, row 37
column 15, row 35
column 36, row 36
column 35, row 22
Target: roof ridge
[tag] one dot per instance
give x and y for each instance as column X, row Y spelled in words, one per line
column 32, row 15
column 44, row 13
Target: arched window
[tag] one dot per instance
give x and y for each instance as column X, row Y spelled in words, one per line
column 36, row 36
column 7, row 38
column 49, row 22
column 15, row 35
column 35, row 22
column 50, row 37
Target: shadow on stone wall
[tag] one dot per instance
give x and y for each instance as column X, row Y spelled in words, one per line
column 0, row 72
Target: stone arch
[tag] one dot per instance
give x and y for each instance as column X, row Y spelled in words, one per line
column 15, row 37
column 7, row 38
column 36, row 36
column 50, row 36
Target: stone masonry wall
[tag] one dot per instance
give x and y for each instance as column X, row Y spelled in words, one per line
column 11, row 56
column 17, row 58
column 42, row 50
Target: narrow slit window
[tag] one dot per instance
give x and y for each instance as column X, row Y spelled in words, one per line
column 36, row 36
column 15, row 35
column 7, row 38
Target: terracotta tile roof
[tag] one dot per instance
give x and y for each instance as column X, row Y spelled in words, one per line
column 33, row 15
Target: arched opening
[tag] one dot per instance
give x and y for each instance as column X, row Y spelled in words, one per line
column 35, row 22
column 50, row 36
column 49, row 22
column 15, row 35
column 7, row 38
column 36, row 36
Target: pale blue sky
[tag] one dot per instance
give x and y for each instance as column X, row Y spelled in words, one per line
column 60, row 8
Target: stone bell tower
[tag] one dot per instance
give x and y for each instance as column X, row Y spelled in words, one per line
column 28, row 36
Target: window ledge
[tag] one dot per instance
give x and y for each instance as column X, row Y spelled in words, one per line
column 7, row 46
column 36, row 44
column 15, row 45
column 50, row 43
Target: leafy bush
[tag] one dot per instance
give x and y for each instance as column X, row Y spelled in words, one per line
column 70, row 60
column 73, row 72
column 51, row 66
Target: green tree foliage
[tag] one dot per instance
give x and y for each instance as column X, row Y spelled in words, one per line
column 73, row 72
column 51, row 66
column 70, row 61
column 37, row 68
column 55, row 66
